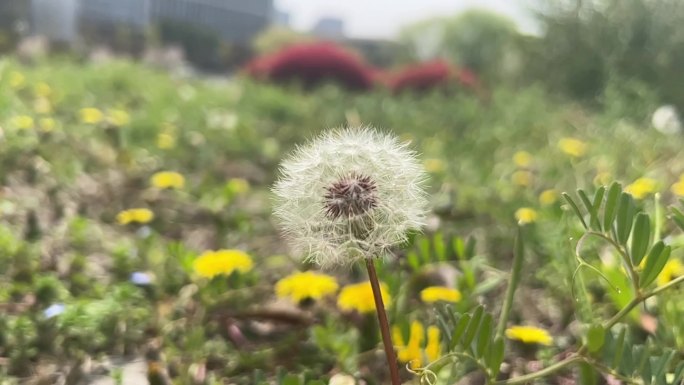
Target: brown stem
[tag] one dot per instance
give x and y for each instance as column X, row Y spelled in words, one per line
column 384, row 325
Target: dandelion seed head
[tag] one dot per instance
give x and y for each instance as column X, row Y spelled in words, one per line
column 349, row 194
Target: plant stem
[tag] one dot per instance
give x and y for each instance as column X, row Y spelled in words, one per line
column 384, row 325
column 541, row 373
column 512, row 284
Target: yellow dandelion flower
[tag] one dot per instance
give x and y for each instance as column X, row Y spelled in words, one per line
column 672, row 269
column 166, row 141
column 439, row 293
column 359, row 297
column 522, row 178
column 434, row 166
column 301, row 286
column 526, row 215
column 138, row 215
column 42, row 90
column 225, row 262
column 433, row 349
column 523, row 159
column 42, row 106
column 678, row 188
column 16, row 80
column 399, row 344
column 642, row 187
column 168, row 179
column 529, row 335
column 23, row 122
column 118, row 118
column 91, row 115
column 47, row 124
column 548, row 197
column 573, row 147
column 413, row 351
column 237, row 186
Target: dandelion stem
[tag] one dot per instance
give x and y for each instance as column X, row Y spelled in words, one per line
column 384, row 325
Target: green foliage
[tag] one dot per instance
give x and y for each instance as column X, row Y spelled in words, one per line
column 477, row 39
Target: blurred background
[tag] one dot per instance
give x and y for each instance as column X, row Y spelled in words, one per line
column 139, row 140
column 578, row 48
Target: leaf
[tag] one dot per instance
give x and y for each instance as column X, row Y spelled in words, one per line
column 596, row 206
column 440, row 250
column 661, row 364
column 484, row 335
column 290, row 379
column 678, row 217
column 413, row 260
column 469, row 248
column 459, row 329
column 596, row 336
column 641, row 237
column 656, row 260
column 495, row 356
column 619, row 348
column 625, row 218
column 576, row 209
column 473, row 326
column 679, row 373
column 593, row 222
column 459, row 248
column 424, row 247
column 611, row 205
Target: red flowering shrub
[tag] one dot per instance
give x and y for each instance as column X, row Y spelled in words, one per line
column 421, row 76
column 312, row 64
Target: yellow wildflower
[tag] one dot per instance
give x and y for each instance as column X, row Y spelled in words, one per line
column 412, row 353
column 672, row 269
column 47, row 124
column 526, row 215
column 573, row 147
column 166, row 140
column 439, row 293
column 434, row 165
column 678, row 188
column 42, row 106
column 548, row 197
column 23, row 122
column 301, row 286
column 17, row 80
column 212, row 263
column 91, row 115
column 138, row 215
column 237, row 186
column 642, row 187
column 522, row 178
column 523, row 159
column 433, row 349
column 529, row 335
column 42, row 90
column 118, row 118
column 168, row 179
column 359, row 297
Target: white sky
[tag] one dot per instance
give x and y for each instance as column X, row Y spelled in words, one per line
column 384, row 18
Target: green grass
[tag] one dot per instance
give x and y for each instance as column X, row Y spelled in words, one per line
column 61, row 192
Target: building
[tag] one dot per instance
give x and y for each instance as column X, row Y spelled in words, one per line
column 237, row 21
column 55, row 19
column 329, row 28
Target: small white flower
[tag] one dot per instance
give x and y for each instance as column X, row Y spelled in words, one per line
column 349, row 194
column 342, row 379
column 666, row 120
column 54, row 310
